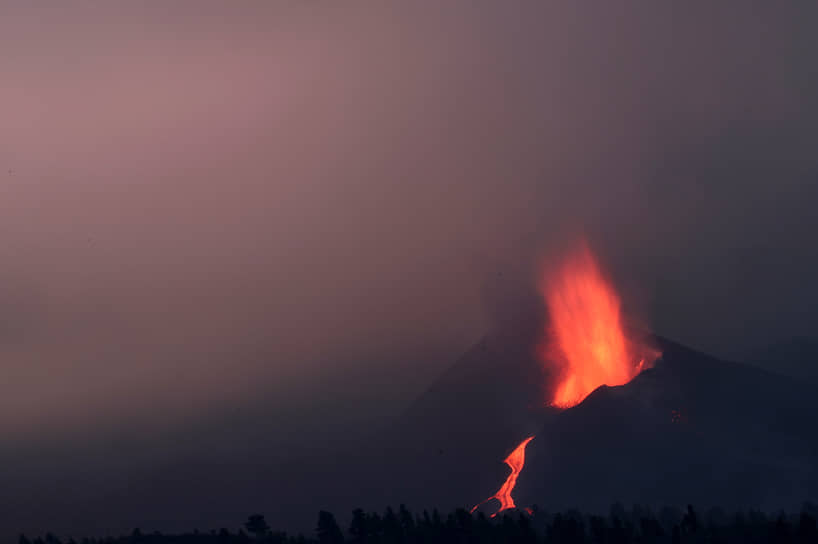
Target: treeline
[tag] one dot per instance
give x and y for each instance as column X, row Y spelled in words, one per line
column 639, row 525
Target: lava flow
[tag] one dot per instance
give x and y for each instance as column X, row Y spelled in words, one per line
column 515, row 460
column 586, row 342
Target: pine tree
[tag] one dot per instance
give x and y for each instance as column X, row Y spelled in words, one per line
column 328, row 531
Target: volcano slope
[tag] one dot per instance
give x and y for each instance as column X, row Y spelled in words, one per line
column 447, row 448
column 796, row 357
column 693, row 429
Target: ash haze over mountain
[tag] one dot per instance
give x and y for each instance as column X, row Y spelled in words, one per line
column 297, row 214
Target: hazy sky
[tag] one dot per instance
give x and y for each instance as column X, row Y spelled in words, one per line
column 202, row 203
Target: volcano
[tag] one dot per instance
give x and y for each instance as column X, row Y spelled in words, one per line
column 692, row 429
column 619, row 415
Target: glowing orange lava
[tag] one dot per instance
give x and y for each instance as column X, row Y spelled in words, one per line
column 587, row 337
column 515, row 460
column 587, row 342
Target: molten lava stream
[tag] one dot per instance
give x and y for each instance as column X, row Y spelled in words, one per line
column 586, row 348
column 515, row 460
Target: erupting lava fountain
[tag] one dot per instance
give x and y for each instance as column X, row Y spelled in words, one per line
column 585, row 345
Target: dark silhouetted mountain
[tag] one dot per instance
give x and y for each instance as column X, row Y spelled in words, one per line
column 446, row 445
column 691, row 429
column 796, row 357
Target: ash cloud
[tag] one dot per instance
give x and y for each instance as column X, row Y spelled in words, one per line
column 205, row 206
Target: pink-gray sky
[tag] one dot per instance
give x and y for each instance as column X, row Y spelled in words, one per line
column 203, row 203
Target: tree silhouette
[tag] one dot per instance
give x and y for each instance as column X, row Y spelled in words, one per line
column 407, row 522
column 257, row 526
column 328, row 531
column 807, row 530
column 781, row 534
column 392, row 531
column 599, row 529
column 690, row 522
column 621, row 526
column 527, row 534
column 651, row 529
column 358, row 526
column 567, row 530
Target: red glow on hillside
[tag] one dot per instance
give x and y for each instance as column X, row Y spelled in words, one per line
column 587, row 337
column 515, row 460
column 587, row 342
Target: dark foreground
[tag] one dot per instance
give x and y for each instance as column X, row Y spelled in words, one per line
column 621, row 526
